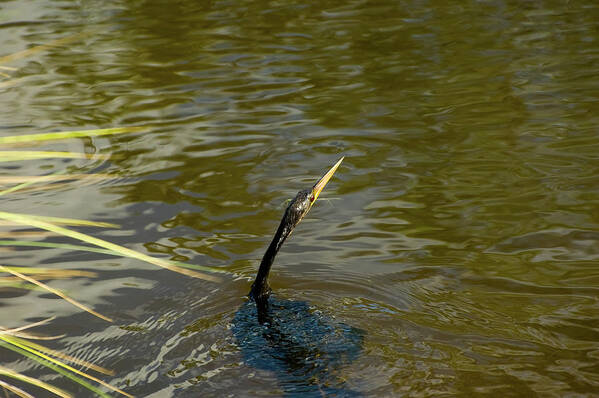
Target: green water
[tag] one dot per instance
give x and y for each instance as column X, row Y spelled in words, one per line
column 461, row 232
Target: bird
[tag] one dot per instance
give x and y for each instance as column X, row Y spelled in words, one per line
column 304, row 348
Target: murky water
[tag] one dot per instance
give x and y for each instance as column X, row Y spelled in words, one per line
column 460, row 236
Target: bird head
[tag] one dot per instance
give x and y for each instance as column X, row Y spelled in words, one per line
column 303, row 201
column 295, row 212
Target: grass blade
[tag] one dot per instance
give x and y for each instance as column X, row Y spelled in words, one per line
column 26, row 220
column 25, row 184
column 11, row 156
column 16, row 343
column 74, row 222
column 16, row 390
column 51, row 245
column 58, row 180
column 27, row 234
column 56, row 292
column 16, row 139
column 19, row 332
column 25, row 335
column 58, row 176
column 17, row 285
column 66, row 246
column 61, row 355
column 53, row 273
column 29, row 326
column 30, row 380
column 54, row 367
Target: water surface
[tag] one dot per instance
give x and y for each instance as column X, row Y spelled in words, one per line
column 460, row 233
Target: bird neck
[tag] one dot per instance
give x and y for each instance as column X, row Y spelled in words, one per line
column 260, row 289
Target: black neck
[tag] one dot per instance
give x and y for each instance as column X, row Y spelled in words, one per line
column 260, row 289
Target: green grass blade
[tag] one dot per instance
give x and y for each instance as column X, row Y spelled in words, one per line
column 58, row 354
column 26, row 184
column 55, row 368
column 30, row 380
column 53, row 273
column 74, row 222
column 66, row 246
column 19, row 285
column 59, row 175
column 123, row 251
column 70, row 222
column 56, row 292
column 51, row 245
column 11, row 156
column 17, row 187
column 17, row 139
column 15, row 342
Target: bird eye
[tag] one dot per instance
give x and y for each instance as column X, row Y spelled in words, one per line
column 311, row 198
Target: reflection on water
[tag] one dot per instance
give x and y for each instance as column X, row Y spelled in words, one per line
column 303, row 348
column 463, row 241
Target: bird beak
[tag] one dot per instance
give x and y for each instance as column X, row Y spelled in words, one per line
column 319, row 186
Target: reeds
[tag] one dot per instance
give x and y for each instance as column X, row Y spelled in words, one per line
column 18, row 340
column 38, row 227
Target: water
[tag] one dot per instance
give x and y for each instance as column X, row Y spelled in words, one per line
column 459, row 236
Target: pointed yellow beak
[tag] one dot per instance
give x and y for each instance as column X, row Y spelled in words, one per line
column 319, row 186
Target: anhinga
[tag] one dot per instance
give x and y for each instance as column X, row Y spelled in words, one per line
column 301, row 346
column 294, row 213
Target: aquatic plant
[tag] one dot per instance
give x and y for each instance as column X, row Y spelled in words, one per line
column 17, row 339
column 30, row 277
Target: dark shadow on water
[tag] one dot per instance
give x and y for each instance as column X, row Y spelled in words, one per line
column 303, row 348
